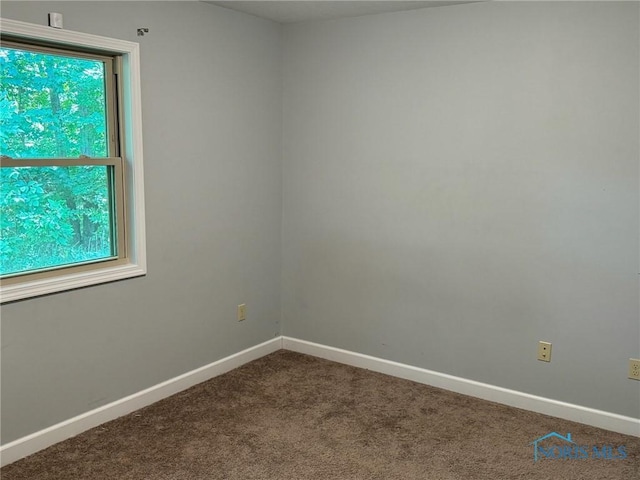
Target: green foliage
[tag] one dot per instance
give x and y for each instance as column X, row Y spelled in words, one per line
column 52, row 106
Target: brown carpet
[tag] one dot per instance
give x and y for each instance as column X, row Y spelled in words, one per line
column 292, row 416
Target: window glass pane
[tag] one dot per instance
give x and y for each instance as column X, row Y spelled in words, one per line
column 55, row 216
column 51, row 105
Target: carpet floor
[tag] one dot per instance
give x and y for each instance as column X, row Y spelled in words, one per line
column 292, row 416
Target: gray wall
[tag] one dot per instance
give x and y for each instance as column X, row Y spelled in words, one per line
column 462, row 182
column 458, row 184
column 212, row 143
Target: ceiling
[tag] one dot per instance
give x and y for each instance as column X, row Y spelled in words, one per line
column 287, row 11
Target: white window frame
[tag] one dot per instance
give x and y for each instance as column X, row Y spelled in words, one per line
column 136, row 264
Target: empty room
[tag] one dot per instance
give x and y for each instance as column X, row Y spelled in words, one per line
column 359, row 240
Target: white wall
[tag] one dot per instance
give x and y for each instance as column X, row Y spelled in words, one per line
column 462, row 182
column 212, row 143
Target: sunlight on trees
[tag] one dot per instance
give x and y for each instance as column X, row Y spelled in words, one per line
column 53, row 106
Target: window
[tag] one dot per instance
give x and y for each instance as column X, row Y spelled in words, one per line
column 61, row 178
column 72, row 210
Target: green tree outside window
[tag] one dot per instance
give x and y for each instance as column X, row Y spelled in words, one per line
column 53, row 106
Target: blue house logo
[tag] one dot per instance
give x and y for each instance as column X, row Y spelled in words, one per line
column 566, row 449
column 538, row 448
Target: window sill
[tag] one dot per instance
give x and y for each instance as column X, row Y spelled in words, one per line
column 72, row 281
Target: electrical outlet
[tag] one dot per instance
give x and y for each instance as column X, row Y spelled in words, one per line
column 634, row 368
column 242, row 312
column 544, row 351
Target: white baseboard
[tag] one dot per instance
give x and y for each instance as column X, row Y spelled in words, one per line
column 513, row 398
column 37, row 441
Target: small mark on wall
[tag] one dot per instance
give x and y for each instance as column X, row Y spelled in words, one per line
column 98, row 401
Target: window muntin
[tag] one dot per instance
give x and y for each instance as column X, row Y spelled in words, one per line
column 58, row 211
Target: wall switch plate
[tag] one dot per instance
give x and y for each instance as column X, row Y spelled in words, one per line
column 242, row 312
column 544, row 351
column 634, row 368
